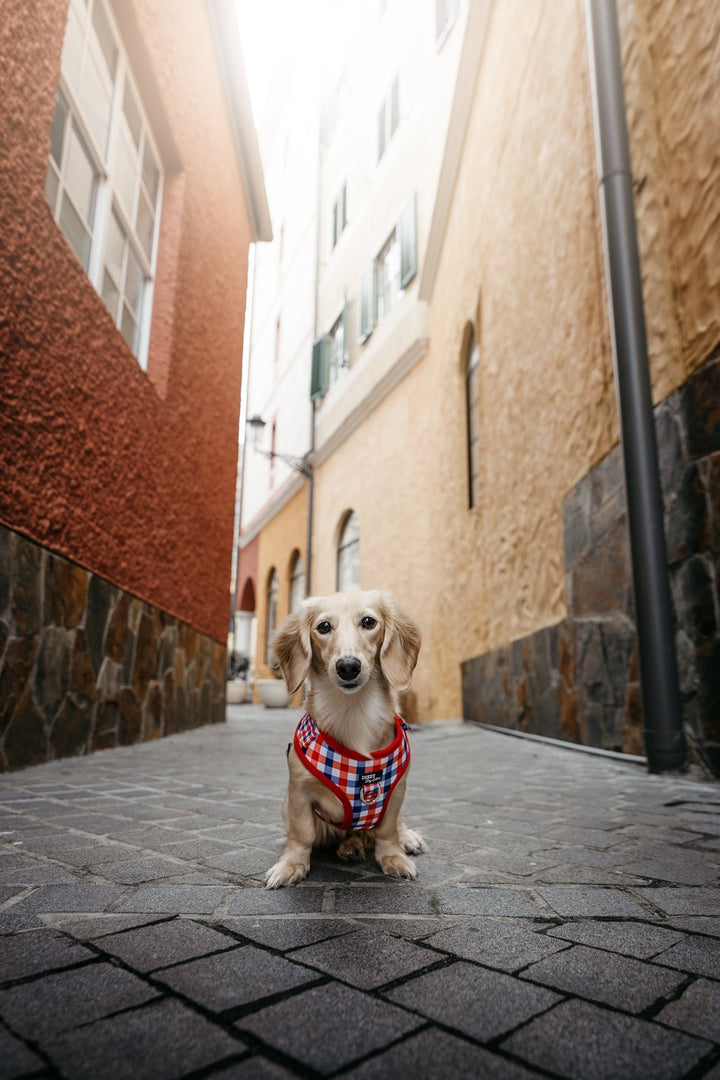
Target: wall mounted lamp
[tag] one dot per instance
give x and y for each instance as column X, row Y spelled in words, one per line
column 299, row 464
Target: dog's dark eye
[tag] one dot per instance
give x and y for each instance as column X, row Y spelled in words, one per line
column 368, row 623
column 324, row 627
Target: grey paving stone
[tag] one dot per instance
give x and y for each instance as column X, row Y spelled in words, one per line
column 328, row 1027
column 437, row 1055
column 246, row 861
column 619, row 981
column 591, row 902
column 630, row 938
column 697, row 1011
column 682, row 872
column 232, row 979
column 176, row 900
column 486, row 902
column 162, row 1041
column 392, row 899
column 197, row 848
column 366, row 958
column 136, row 871
column 700, row 955
column 288, row 933
column 253, row 1068
column 498, row 946
column 477, row 1002
column 302, row 900
column 38, row 951
column 156, row 946
column 697, row 924
column 68, row 999
column 413, row 928
column 39, row 874
column 67, row 898
column 16, row 1059
column 577, row 1039
column 683, row 901
column 89, row 927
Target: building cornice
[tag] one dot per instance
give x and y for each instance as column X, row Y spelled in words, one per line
column 470, row 58
column 222, row 17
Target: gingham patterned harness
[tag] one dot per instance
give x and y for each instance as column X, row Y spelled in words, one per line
column 363, row 785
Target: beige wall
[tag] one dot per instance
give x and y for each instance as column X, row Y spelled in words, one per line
column 522, row 260
column 286, row 533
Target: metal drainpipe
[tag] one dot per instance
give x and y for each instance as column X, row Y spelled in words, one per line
column 663, row 732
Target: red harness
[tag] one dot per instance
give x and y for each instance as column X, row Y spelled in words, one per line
column 363, row 785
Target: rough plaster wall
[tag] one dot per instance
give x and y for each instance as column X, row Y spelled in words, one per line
column 523, row 245
column 671, row 59
column 130, row 474
column 279, row 539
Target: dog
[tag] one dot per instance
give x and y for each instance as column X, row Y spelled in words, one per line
column 349, row 757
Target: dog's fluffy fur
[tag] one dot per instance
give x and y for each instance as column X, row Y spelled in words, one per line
column 355, row 650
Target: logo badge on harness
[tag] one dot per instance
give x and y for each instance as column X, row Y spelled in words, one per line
column 370, row 787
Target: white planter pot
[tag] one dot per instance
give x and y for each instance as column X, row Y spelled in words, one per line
column 236, row 691
column 273, row 693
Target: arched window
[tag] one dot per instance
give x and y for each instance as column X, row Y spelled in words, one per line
column 271, row 615
column 472, row 398
column 297, row 581
column 348, row 555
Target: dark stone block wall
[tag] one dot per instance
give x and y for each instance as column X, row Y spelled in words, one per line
column 85, row 666
column 579, row 680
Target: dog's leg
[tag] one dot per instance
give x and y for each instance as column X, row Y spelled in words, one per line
column 410, row 840
column 388, row 840
column 294, row 863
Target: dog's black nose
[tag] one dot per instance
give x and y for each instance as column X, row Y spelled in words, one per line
column 348, row 668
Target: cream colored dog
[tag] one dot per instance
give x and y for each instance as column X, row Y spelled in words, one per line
column 354, row 649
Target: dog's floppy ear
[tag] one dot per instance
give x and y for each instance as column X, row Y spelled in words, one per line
column 291, row 645
column 400, row 647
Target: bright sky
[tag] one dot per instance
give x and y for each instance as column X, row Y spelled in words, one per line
column 306, row 36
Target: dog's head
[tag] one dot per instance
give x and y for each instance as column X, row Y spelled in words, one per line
column 346, row 638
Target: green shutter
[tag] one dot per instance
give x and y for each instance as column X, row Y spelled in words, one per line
column 367, row 302
column 407, row 231
column 319, row 374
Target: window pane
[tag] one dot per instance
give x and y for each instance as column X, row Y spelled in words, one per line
column 80, row 176
column 134, row 282
column 145, row 224
column 129, row 328
column 125, row 171
column 115, row 248
column 51, row 187
column 77, row 235
column 105, row 38
column 150, row 173
column 381, row 131
column 132, row 113
column 95, row 98
column 72, row 47
column 110, row 294
column 57, row 132
column 394, row 106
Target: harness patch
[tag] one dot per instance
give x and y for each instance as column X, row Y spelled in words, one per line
column 363, row 785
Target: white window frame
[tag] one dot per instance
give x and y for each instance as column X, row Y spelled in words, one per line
column 388, row 117
column 445, row 15
column 348, row 554
column 339, row 215
column 105, row 162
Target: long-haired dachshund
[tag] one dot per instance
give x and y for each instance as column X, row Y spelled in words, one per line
column 350, row 754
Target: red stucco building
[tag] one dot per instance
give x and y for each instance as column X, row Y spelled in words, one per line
column 130, row 191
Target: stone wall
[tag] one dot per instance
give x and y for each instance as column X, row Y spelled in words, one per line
column 86, row 666
column 579, row 680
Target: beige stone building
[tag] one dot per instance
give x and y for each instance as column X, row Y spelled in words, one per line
column 474, row 438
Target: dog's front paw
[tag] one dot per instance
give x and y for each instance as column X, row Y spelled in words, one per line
column 398, row 865
column 286, row 872
column 411, row 841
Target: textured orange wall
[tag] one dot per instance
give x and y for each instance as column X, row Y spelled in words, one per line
column 130, row 474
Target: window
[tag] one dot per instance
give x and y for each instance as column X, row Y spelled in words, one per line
column 104, row 180
column 391, row 271
column 472, row 398
column 445, row 12
column 271, row 617
column 337, row 355
column 348, row 556
column 388, row 117
column 297, row 581
column 339, row 215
